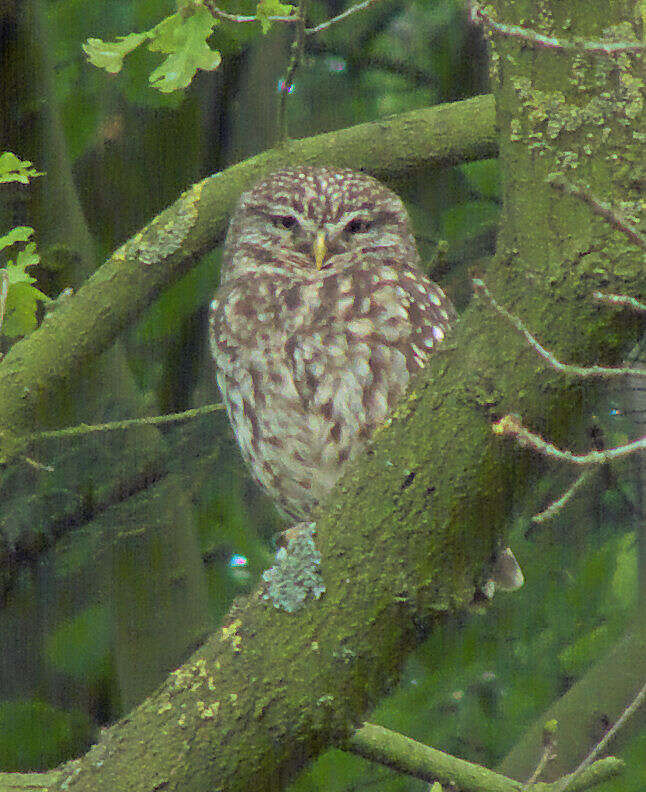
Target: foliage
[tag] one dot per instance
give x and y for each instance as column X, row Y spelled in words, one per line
column 182, row 37
column 18, row 297
column 13, row 169
column 269, row 8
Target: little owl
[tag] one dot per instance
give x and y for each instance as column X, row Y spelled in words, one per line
column 322, row 317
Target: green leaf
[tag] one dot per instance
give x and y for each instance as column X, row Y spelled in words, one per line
column 26, row 258
column 17, row 234
column 270, row 8
column 183, row 39
column 13, row 169
column 20, row 313
column 22, row 297
column 109, row 55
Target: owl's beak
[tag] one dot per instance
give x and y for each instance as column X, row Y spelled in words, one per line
column 319, row 249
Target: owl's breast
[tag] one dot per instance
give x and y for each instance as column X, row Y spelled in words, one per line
column 307, row 369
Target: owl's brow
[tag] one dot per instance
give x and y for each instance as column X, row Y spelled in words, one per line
column 277, row 210
column 373, row 216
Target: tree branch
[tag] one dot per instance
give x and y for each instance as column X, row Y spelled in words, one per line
column 242, row 18
column 128, row 423
column 413, row 758
column 534, row 39
column 609, row 213
column 565, row 368
column 556, row 506
column 510, row 426
column 153, row 258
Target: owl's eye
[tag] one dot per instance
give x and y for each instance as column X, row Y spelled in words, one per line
column 357, row 226
column 284, row 221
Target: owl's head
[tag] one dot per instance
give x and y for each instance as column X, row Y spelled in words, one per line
column 311, row 221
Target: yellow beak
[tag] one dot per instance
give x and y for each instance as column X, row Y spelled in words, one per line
column 319, row 249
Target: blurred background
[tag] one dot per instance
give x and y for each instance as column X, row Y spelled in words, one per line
column 129, row 552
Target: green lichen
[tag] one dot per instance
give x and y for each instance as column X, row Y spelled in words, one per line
column 166, row 233
column 616, row 98
column 295, row 575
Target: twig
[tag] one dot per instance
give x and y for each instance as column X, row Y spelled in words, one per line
column 218, row 12
column 620, row 299
column 547, row 756
column 38, row 465
column 566, row 368
column 153, row 420
column 630, row 710
column 555, row 507
column 549, row 753
column 353, row 9
column 298, row 47
column 241, row 18
column 4, row 291
column 510, row 426
column 614, row 218
column 534, row 39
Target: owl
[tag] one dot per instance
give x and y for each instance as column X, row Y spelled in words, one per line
column 322, row 317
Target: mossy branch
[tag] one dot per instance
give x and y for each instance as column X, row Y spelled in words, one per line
column 413, row 758
column 156, row 256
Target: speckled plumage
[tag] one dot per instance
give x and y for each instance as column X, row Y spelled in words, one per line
column 309, row 361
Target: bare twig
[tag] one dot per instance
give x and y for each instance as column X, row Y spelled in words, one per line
column 511, row 426
column 38, row 465
column 298, row 48
column 555, row 507
column 566, row 368
column 630, row 710
column 546, row 757
column 352, row 10
column 153, row 420
column 609, row 213
column 4, row 291
column 549, row 752
column 534, row 39
column 241, row 18
column 620, row 299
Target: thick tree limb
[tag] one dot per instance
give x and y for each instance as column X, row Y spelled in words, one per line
column 136, row 273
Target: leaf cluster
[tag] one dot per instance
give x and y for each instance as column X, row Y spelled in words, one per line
column 18, row 296
column 181, row 37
